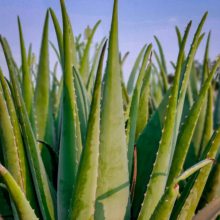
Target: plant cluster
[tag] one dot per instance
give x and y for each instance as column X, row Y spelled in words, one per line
column 85, row 147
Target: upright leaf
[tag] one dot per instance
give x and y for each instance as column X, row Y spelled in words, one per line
column 132, row 77
column 113, row 178
column 83, row 201
column 70, row 143
column 27, row 90
column 35, row 161
column 160, row 171
column 84, row 67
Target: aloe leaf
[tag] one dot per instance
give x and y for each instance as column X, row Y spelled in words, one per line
column 187, row 129
column 29, row 57
column 84, row 67
column 211, row 211
column 70, row 143
column 59, row 33
column 132, row 77
column 42, row 90
column 185, row 78
column 192, row 194
column 143, row 109
column 157, row 183
column 165, row 206
column 84, row 196
column 16, row 161
column 200, row 128
column 42, row 101
column 113, row 177
column 162, row 57
column 83, row 103
column 91, row 78
column 179, row 37
column 162, row 72
column 150, row 137
column 22, row 205
column 133, row 113
column 35, row 162
column 27, row 90
column 208, row 126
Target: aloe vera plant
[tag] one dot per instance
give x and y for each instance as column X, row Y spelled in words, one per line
column 86, row 145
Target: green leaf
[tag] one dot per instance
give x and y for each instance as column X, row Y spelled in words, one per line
column 22, row 205
column 42, row 102
column 162, row 72
column 132, row 77
column 133, row 113
column 157, row 183
column 27, row 89
column 84, row 67
column 185, row 79
column 59, row 33
column 13, row 148
column 187, row 129
column 113, row 178
column 91, row 79
column 70, row 143
column 84, row 196
column 143, row 109
column 165, row 206
column 162, row 58
column 83, row 103
column 35, row 162
column 193, row 191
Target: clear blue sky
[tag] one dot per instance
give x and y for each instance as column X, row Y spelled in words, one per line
column 139, row 20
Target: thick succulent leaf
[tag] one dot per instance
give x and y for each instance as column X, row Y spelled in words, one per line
column 15, row 157
column 186, row 77
column 22, row 205
column 84, row 196
column 162, row 57
column 200, row 127
column 147, row 147
column 132, row 77
column 59, row 33
column 165, row 206
column 162, row 72
column 83, row 103
column 133, row 113
column 208, row 126
column 189, row 200
column 70, row 143
column 91, row 78
column 42, row 101
column 187, row 129
column 84, row 67
column 113, row 178
column 157, row 183
column 42, row 90
column 143, row 109
column 27, row 89
column 35, row 161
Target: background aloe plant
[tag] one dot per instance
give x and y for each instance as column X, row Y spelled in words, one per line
column 83, row 146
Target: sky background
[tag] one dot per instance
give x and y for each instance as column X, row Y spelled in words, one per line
column 139, row 21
